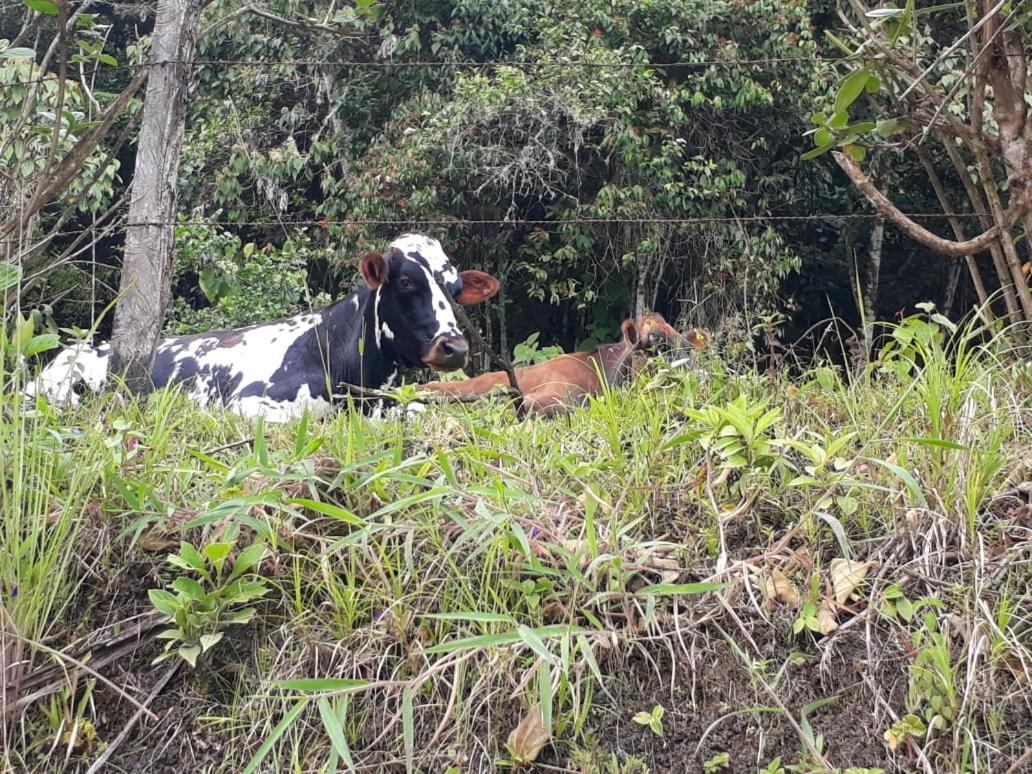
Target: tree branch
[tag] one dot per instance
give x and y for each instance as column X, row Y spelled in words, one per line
column 72, row 163
column 915, row 231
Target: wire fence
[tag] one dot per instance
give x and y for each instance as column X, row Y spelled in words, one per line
column 386, row 64
column 557, row 61
column 820, row 217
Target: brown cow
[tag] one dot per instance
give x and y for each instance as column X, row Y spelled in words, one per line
column 551, row 387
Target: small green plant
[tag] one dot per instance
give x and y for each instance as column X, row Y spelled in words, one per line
column 807, row 619
column 67, row 717
column 718, row 762
column 202, row 609
column 903, row 731
column 654, row 719
column 774, row 767
column 933, row 690
column 527, row 352
column 736, row 434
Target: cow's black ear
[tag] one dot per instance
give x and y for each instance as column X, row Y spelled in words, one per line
column 630, row 333
column 374, row 269
column 477, row 286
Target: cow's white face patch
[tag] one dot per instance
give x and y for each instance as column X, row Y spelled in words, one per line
column 431, row 251
column 447, row 325
column 385, row 329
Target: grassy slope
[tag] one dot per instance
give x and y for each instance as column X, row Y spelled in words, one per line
column 499, row 564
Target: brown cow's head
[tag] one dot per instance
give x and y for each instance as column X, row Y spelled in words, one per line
column 655, row 334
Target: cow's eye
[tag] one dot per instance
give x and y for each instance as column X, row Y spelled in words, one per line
column 405, row 283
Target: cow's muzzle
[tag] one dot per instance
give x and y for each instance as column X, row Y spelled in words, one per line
column 447, row 353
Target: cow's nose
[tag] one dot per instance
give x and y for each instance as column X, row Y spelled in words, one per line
column 455, row 348
column 447, row 353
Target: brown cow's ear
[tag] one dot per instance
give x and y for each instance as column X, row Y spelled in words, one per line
column 477, row 286
column 374, row 269
column 630, row 334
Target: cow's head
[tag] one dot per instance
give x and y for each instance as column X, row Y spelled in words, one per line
column 655, row 334
column 414, row 320
column 651, row 335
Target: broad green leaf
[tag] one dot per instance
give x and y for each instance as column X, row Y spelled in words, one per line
column 10, row 275
column 163, row 601
column 17, row 53
column 889, row 126
column 192, row 557
column 42, row 6
column 884, row 13
column 209, row 641
column 858, row 152
column 851, row 87
column 190, row 654
column 41, row 343
column 248, row 559
column 217, row 552
column 815, row 152
column 190, row 588
column 107, row 59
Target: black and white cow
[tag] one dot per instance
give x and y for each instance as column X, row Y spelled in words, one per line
column 279, row 369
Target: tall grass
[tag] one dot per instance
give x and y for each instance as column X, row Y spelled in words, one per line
column 450, row 592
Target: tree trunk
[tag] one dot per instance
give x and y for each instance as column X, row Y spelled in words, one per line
column 147, row 266
column 874, row 257
column 958, row 232
column 952, row 281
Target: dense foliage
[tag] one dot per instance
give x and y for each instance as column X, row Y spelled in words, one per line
column 638, row 115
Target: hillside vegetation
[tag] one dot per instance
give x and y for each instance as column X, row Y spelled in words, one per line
column 710, row 570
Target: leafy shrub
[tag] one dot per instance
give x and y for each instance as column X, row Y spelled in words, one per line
column 223, row 283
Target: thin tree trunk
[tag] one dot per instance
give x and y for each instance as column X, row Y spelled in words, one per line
column 503, row 323
column 948, row 296
column 985, row 174
column 874, row 257
column 958, row 232
column 147, row 266
column 978, row 204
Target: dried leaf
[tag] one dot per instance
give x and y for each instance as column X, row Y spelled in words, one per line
column 527, row 739
column 779, row 587
column 1017, row 668
column 846, row 576
column 826, row 617
column 155, row 541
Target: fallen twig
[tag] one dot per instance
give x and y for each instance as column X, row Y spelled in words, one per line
column 124, row 734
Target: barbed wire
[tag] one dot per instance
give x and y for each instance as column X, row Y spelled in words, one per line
column 823, row 216
column 501, row 222
column 515, row 63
